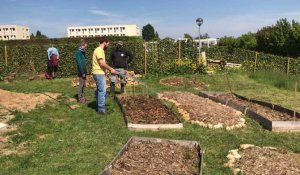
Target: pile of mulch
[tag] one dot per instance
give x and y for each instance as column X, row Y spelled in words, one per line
column 24, row 102
column 143, row 109
column 157, row 158
column 267, row 112
column 183, row 82
column 203, row 109
column 266, row 160
column 10, row 77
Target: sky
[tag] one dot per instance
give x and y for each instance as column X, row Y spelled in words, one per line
column 170, row 18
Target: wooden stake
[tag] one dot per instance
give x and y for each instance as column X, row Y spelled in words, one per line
column 288, row 66
column 255, row 62
column 295, row 99
column 5, row 55
column 145, row 48
column 133, row 89
column 229, row 85
column 179, row 50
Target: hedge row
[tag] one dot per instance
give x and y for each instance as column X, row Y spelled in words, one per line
column 263, row 61
column 161, row 57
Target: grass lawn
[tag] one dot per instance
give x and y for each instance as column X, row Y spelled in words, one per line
column 64, row 141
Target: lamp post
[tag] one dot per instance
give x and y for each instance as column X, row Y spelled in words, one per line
column 199, row 22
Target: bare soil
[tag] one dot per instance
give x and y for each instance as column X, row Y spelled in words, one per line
column 11, row 101
column 269, row 113
column 145, row 157
column 143, row 109
column 204, row 110
column 23, row 102
column 268, row 161
column 182, row 81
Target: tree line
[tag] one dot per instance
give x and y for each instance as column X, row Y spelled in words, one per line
column 282, row 39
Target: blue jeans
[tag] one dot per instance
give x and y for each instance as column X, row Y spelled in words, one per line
column 100, row 92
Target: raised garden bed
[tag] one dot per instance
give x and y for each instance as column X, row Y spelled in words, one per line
column 183, row 82
column 142, row 112
column 271, row 116
column 154, row 156
column 203, row 111
column 250, row 159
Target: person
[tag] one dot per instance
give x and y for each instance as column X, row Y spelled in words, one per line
column 81, row 70
column 98, row 70
column 52, row 62
column 119, row 58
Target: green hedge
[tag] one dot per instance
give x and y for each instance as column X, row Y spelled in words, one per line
column 32, row 58
column 161, row 56
column 247, row 59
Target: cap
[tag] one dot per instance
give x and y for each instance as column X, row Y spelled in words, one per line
column 120, row 43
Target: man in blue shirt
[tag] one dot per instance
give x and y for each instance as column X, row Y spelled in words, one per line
column 52, row 62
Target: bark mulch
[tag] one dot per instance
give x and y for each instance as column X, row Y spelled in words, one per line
column 203, row 109
column 146, row 157
column 143, row 109
column 267, row 112
column 182, row 81
column 269, row 161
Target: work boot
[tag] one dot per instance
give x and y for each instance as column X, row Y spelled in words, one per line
column 122, row 88
column 112, row 89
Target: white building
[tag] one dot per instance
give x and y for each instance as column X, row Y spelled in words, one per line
column 204, row 42
column 207, row 42
column 14, row 32
column 108, row 30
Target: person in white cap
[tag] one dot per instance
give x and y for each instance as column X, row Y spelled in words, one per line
column 119, row 58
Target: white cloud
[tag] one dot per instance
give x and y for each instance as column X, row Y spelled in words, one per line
column 103, row 13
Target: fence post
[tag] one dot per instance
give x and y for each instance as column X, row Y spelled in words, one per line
column 5, row 55
column 288, row 66
column 145, row 56
column 255, row 62
column 295, row 98
column 179, row 49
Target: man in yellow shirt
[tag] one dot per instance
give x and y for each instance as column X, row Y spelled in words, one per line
column 98, row 70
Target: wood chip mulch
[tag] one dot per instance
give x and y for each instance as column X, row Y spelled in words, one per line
column 262, row 110
column 253, row 160
column 145, row 157
column 198, row 109
column 183, row 82
column 143, row 109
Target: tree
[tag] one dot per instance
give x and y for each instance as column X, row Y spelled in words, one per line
column 187, row 36
column 204, row 36
column 263, row 39
column 148, row 32
column 247, row 41
column 38, row 35
column 228, row 41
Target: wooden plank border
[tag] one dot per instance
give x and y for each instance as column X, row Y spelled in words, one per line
column 141, row 127
column 186, row 143
column 276, row 126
